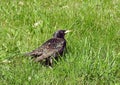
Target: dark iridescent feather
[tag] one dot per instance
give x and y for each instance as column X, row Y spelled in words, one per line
column 51, row 48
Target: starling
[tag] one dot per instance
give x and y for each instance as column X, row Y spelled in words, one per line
column 52, row 48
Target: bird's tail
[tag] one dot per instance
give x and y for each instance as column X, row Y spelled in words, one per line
column 27, row 54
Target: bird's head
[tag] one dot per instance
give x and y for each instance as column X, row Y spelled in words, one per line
column 60, row 33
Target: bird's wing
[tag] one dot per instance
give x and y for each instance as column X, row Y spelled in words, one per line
column 54, row 45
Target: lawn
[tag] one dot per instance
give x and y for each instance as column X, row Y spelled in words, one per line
column 93, row 46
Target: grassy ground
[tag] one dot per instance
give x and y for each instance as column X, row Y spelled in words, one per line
column 93, row 56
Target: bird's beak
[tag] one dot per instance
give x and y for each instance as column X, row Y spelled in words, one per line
column 68, row 31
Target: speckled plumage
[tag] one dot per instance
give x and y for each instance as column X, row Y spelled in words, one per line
column 51, row 48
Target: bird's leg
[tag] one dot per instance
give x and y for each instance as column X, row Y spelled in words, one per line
column 49, row 61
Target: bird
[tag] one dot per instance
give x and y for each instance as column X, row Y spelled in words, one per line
column 50, row 49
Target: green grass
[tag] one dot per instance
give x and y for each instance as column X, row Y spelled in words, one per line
column 93, row 56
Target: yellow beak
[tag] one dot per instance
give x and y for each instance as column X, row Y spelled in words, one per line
column 68, row 31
